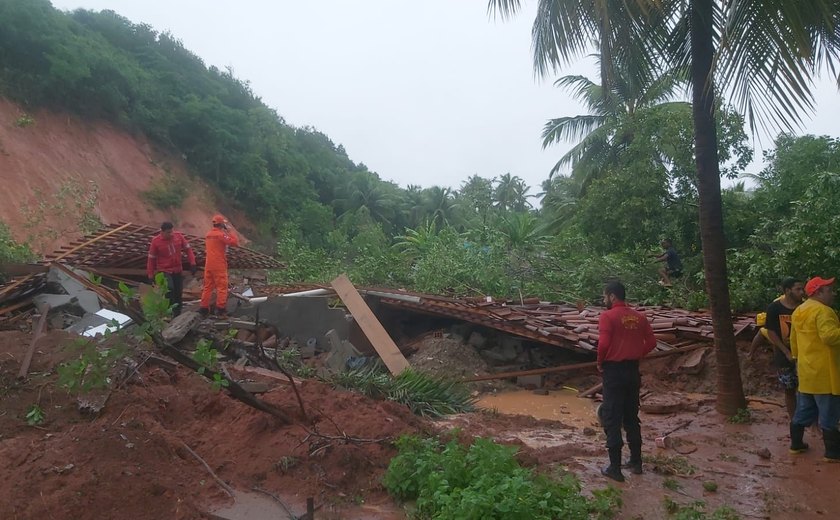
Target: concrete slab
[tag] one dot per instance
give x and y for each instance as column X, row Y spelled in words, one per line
column 300, row 318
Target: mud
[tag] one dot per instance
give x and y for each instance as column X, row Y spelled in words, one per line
column 131, row 461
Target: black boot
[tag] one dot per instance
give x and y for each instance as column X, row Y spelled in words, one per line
column 797, row 445
column 831, row 439
column 634, row 464
column 204, row 312
column 613, row 471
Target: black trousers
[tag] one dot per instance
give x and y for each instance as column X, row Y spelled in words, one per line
column 620, row 407
column 175, row 291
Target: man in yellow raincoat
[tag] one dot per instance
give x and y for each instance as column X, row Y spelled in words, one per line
column 815, row 344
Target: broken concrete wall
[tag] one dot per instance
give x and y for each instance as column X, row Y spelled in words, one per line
column 301, row 318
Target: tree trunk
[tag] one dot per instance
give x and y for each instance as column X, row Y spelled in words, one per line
column 730, row 391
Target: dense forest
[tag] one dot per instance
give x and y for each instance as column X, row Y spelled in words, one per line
column 629, row 181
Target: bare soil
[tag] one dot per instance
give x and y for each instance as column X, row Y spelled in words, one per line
column 131, row 460
column 59, row 150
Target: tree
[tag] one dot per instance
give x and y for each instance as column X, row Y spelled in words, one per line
column 765, row 52
column 440, row 204
column 610, row 125
column 511, row 193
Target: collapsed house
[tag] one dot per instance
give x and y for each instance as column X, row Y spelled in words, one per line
column 344, row 325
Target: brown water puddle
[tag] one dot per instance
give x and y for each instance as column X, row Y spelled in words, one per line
column 559, row 405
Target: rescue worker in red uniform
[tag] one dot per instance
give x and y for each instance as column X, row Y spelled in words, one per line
column 624, row 337
column 166, row 256
column 217, row 241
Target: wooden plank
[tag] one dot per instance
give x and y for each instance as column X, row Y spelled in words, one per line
column 576, row 366
column 375, row 332
column 91, row 241
column 10, row 308
column 13, row 270
column 589, row 392
column 39, row 331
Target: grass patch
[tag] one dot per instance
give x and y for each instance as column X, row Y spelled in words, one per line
column 485, row 481
column 676, row 465
column 166, row 193
column 697, row 511
column 743, row 416
column 672, row 484
column 710, row 486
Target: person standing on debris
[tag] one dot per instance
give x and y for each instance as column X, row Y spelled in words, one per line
column 624, row 337
column 777, row 326
column 815, row 345
column 217, row 241
column 166, row 256
column 673, row 265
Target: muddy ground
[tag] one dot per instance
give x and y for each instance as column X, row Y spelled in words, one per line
column 132, row 461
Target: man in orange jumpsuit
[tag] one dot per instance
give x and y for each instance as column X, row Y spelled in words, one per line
column 216, row 243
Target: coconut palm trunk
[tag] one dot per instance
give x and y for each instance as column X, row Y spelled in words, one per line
column 730, row 393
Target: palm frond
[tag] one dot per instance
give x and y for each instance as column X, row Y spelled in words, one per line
column 569, row 128
column 770, row 52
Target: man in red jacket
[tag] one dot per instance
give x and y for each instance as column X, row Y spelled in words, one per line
column 165, row 256
column 217, row 241
column 624, row 337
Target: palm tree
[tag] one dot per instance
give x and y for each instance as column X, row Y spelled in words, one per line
column 511, row 193
column 765, row 52
column 610, row 126
column 440, row 204
column 369, row 193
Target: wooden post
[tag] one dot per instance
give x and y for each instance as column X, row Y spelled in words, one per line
column 39, row 331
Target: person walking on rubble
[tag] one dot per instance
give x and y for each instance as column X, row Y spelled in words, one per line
column 815, row 345
column 624, row 337
column 217, row 241
column 166, row 256
column 672, row 267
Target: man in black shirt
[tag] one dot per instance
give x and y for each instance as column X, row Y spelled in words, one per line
column 778, row 332
column 673, row 265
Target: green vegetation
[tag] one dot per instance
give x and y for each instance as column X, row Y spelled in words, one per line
column 484, row 481
column 425, row 395
column 12, row 251
column 166, row 193
column 91, row 369
column 633, row 177
column 667, row 465
column 72, row 202
column 24, row 121
column 710, row 486
column 672, row 484
column 742, row 417
column 697, row 511
column 35, row 416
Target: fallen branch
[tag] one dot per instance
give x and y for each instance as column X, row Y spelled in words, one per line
column 277, row 499
column 229, row 490
column 679, row 427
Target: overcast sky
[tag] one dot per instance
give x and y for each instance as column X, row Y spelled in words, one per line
column 422, row 93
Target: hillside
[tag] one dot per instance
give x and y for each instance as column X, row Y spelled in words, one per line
column 61, row 175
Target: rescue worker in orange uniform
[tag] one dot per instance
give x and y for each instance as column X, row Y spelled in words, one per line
column 216, row 243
